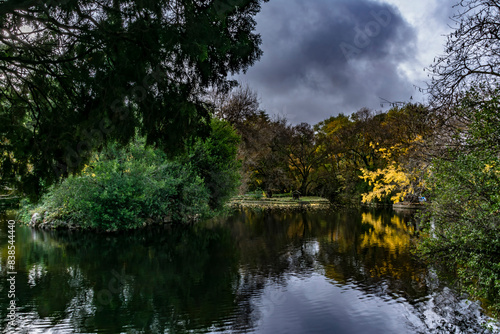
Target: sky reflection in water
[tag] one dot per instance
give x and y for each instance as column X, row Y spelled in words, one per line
column 262, row 272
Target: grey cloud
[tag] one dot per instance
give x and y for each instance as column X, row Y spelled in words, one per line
column 323, row 57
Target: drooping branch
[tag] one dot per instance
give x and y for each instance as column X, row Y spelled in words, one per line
column 69, row 66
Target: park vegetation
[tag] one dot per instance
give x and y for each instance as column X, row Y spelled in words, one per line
column 115, row 116
column 345, row 159
column 103, row 111
column 125, row 187
column 78, row 74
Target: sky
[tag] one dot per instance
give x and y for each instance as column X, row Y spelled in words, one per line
column 325, row 57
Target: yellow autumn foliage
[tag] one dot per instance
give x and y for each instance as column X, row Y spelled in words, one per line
column 385, row 182
column 394, row 180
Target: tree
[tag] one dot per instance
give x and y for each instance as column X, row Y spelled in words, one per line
column 346, row 143
column 472, row 52
column 237, row 107
column 124, row 187
column 403, row 155
column 268, row 167
column 400, row 180
column 304, row 157
column 215, row 161
column 462, row 223
column 463, row 219
column 375, row 155
column 75, row 74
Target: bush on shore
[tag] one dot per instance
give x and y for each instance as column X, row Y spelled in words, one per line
column 129, row 187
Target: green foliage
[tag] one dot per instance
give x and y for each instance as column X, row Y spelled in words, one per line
column 78, row 74
column 463, row 223
column 124, row 188
column 257, row 194
column 214, row 159
column 463, row 220
column 480, row 108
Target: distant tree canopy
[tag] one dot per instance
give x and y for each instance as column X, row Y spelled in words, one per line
column 75, row 74
column 383, row 149
column 341, row 158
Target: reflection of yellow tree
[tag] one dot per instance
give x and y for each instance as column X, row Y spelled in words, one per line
column 394, row 236
column 364, row 248
column 378, row 248
column 297, row 228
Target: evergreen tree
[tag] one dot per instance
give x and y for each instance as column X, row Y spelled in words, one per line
column 75, row 74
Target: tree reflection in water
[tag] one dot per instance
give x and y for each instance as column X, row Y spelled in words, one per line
column 238, row 274
column 156, row 280
column 360, row 247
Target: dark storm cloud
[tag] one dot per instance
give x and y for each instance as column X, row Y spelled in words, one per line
column 323, row 57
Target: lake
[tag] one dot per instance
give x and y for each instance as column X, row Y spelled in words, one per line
column 250, row 272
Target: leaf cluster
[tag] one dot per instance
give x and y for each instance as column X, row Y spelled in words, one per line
column 463, row 220
column 76, row 74
column 128, row 187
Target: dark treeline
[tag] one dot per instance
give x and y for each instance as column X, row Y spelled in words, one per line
column 78, row 74
column 330, row 159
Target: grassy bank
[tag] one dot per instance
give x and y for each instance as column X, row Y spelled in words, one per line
column 253, row 201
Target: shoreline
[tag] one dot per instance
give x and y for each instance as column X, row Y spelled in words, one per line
column 284, row 203
column 396, row 206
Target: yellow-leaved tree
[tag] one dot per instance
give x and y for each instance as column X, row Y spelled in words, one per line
column 402, row 179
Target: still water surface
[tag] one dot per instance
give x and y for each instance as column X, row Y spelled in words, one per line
column 252, row 272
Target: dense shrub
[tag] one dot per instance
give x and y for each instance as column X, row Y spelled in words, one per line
column 463, row 223
column 463, row 219
column 126, row 187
